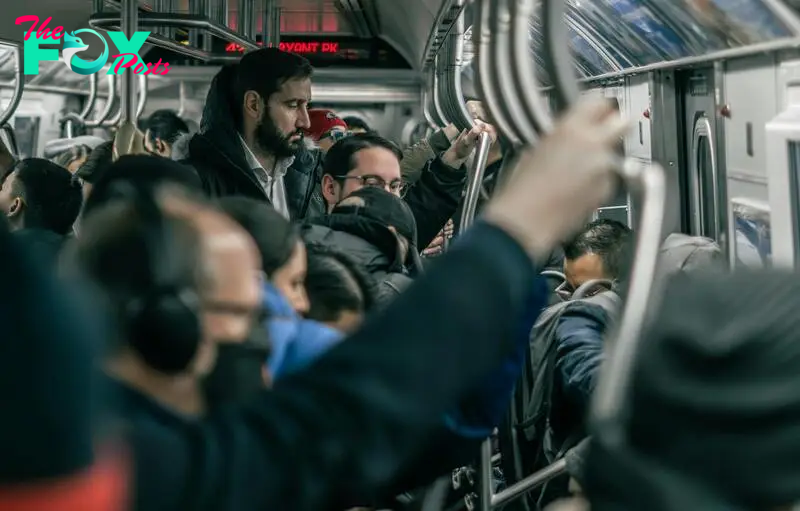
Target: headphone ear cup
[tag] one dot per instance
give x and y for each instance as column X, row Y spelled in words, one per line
column 166, row 331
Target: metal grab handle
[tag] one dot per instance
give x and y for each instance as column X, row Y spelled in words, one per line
column 644, row 292
column 19, row 86
column 438, row 105
column 475, row 181
column 96, row 123
column 553, row 273
column 487, row 79
column 139, row 106
column 181, row 99
column 70, row 119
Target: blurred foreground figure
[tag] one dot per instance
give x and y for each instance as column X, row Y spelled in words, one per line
column 713, row 418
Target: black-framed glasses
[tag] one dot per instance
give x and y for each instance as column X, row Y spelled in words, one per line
column 396, row 186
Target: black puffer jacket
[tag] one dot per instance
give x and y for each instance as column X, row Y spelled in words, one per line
column 372, row 245
column 216, row 153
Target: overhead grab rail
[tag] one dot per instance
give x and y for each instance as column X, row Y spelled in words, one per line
column 87, row 108
column 115, row 120
column 426, row 110
column 501, row 48
column 438, row 104
column 454, row 57
column 110, row 21
column 19, row 85
column 648, row 181
column 181, row 99
column 487, row 82
column 107, row 108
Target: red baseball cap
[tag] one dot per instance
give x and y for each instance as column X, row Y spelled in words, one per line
column 322, row 121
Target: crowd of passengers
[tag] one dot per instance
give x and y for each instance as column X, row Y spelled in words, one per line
column 263, row 315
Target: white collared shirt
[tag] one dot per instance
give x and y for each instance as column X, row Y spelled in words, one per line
column 271, row 183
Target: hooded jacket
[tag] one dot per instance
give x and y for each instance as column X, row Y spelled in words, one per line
column 217, row 155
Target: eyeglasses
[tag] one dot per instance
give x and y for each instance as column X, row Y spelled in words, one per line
column 397, row 186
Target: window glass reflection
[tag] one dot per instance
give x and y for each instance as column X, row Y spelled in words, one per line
column 753, row 235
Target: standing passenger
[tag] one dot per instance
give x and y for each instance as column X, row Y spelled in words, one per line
column 251, row 138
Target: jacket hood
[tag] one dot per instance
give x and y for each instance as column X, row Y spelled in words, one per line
column 368, row 255
column 180, row 148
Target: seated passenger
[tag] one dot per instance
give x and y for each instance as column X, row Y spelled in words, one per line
column 340, row 290
column 251, row 135
column 378, row 230
column 357, row 125
column 602, row 251
column 325, row 128
column 41, row 203
column 373, row 161
column 162, row 129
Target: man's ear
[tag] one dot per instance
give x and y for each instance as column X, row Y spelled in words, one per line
column 330, row 190
column 252, row 105
column 16, row 207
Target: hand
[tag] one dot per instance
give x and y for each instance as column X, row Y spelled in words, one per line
column 463, row 146
column 437, row 245
column 556, row 186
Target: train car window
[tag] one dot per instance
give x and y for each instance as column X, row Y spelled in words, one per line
column 794, row 184
column 26, row 130
column 753, row 233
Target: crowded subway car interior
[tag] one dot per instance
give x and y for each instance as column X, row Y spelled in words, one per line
column 426, row 255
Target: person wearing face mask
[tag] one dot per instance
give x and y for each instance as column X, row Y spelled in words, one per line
column 294, row 341
column 251, row 135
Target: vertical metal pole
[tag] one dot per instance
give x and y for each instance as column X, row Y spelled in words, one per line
column 271, row 30
column 275, row 32
column 246, row 18
column 161, row 6
column 99, row 6
column 208, row 12
column 196, row 8
column 129, row 21
column 485, row 490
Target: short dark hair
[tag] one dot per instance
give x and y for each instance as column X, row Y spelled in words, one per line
column 335, row 282
column 166, row 125
column 275, row 236
column 147, row 171
column 52, row 199
column 99, row 159
column 340, row 158
column 609, row 239
column 265, row 71
column 356, row 122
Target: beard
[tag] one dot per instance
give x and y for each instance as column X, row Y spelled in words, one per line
column 272, row 141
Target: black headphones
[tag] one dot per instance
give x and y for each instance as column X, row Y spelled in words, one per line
column 163, row 323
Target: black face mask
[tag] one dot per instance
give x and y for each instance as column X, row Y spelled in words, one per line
column 238, row 374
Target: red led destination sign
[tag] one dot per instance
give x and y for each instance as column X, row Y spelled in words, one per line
column 307, row 47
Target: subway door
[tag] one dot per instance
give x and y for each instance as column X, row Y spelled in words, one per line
column 702, row 183
column 618, row 207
